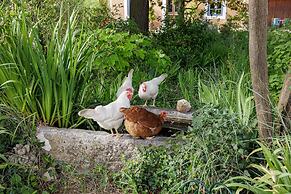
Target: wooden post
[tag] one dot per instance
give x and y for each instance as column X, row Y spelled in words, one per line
column 139, row 12
column 174, row 120
column 258, row 12
column 284, row 105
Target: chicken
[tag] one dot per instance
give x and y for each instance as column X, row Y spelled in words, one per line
column 127, row 84
column 109, row 117
column 149, row 89
column 141, row 123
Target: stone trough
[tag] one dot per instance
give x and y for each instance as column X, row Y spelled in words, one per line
column 85, row 148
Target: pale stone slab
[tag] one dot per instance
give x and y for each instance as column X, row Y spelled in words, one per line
column 86, row 148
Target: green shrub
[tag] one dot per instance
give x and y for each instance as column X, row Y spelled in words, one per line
column 279, row 55
column 193, row 44
column 273, row 175
column 215, row 148
column 45, row 14
column 115, row 54
column 120, row 50
column 20, row 177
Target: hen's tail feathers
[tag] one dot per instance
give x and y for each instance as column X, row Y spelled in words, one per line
column 87, row 113
column 124, row 83
column 161, row 78
column 130, row 74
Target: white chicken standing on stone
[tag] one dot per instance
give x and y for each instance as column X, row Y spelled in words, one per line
column 149, row 89
column 126, row 85
column 109, row 117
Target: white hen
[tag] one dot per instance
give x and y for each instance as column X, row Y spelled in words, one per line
column 149, row 90
column 127, row 84
column 109, row 117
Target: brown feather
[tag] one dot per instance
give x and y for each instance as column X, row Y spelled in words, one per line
column 141, row 123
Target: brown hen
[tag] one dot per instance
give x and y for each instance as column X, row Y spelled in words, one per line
column 141, row 123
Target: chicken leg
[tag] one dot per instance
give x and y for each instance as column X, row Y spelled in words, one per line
column 154, row 101
column 118, row 135
column 145, row 104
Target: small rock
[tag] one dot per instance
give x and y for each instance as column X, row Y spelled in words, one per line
column 18, row 146
column 21, row 151
column 47, row 175
column 183, row 106
column 33, row 158
column 27, row 148
column 25, row 157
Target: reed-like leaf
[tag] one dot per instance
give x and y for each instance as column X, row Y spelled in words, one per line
column 275, row 175
column 46, row 80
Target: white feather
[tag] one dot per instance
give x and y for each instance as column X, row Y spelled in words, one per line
column 109, row 116
column 152, row 88
column 159, row 79
column 126, row 84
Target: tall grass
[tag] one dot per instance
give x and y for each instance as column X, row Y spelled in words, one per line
column 221, row 88
column 274, row 176
column 232, row 94
column 48, row 80
column 188, row 84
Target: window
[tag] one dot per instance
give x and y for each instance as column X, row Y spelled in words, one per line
column 215, row 9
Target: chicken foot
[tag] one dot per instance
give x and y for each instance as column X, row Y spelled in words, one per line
column 145, row 104
column 149, row 138
column 118, row 135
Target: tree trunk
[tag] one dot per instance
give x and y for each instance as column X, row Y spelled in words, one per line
column 181, row 13
column 284, row 105
column 258, row 11
column 139, row 12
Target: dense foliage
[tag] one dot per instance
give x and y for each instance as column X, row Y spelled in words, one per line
column 279, row 56
column 188, row 44
column 191, row 156
column 19, row 177
column 274, row 175
column 53, row 80
column 45, row 14
column 57, row 57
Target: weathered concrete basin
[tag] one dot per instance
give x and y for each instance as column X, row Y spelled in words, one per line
column 85, row 148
